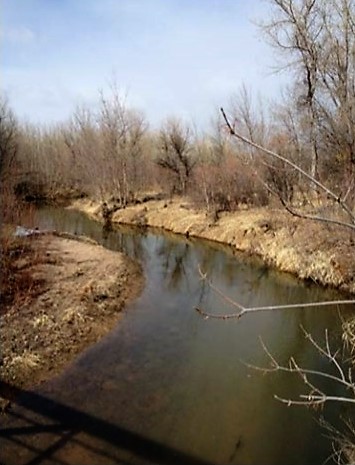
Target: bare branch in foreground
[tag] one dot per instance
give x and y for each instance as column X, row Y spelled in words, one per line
column 244, row 310
column 273, row 307
column 315, row 397
column 314, row 217
column 336, row 198
column 343, row 442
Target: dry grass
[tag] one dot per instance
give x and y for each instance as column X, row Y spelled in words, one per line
column 26, row 361
column 85, row 289
column 17, row 284
column 313, row 251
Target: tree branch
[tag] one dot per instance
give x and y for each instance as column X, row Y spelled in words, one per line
column 244, row 310
column 314, row 181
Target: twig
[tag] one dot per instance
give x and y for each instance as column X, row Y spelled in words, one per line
column 314, row 181
column 218, row 291
column 294, row 368
column 310, row 399
column 243, row 310
column 314, row 217
column 327, row 353
column 315, row 396
column 272, row 307
column 351, row 185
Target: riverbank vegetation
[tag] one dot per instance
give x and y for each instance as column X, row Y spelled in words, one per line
column 16, row 283
column 78, row 292
column 294, row 156
column 271, row 178
column 109, row 152
column 275, row 179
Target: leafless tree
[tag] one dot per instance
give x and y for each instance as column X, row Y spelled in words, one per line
column 249, row 115
column 336, row 96
column 122, row 130
column 81, row 138
column 175, row 153
column 315, row 39
column 294, row 31
column 9, row 144
column 252, row 122
column 106, row 146
column 224, row 179
column 348, row 222
column 9, row 133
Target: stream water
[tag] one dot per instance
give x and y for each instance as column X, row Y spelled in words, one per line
column 168, row 386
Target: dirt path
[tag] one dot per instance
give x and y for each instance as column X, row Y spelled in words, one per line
column 84, row 288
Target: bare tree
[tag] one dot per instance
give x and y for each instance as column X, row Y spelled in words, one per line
column 8, row 138
column 176, row 153
column 122, row 130
column 316, row 40
column 9, row 145
column 294, row 31
column 347, row 209
column 106, row 146
column 252, row 122
column 249, row 115
column 336, row 96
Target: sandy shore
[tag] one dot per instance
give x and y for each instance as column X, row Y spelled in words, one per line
column 82, row 289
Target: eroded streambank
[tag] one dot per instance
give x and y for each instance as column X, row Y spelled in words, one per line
column 312, row 251
column 82, row 290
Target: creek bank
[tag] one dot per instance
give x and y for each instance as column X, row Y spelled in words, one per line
column 312, row 251
column 84, row 288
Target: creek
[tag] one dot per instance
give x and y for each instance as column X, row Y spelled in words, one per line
column 168, row 386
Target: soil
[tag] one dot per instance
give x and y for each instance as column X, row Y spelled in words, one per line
column 83, row 290
column 310, row 250
column 78, row 289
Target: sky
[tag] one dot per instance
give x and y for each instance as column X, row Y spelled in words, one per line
column 182, row 58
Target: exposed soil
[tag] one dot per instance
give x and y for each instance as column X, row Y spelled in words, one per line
column 83, row 289
column 310, row 250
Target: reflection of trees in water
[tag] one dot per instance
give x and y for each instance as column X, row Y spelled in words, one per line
column 70, row 221
column 208, row 259
column 175, row 258
column 233, row 277
column 106, row 229
column 215, row 263
column 203, row 293
column 130, row 243
column 127, row 241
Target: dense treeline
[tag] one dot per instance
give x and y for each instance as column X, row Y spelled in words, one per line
column 111, row 153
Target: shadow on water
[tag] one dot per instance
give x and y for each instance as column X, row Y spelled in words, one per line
column 167, row 386
column 67, row 425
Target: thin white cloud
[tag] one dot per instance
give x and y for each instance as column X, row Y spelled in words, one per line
column 17, row 35
column 172, row 57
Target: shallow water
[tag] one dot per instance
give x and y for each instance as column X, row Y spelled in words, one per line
column 168, row 386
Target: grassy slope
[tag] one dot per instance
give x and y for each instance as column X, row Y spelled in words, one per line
column 310, row 250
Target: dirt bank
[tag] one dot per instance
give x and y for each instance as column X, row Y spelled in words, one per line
column 309, row 250
column 80, row 293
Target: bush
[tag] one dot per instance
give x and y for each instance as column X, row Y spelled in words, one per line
column 227, row 186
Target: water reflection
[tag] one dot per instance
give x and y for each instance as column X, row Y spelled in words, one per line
column 174, row 259
column 173, row 378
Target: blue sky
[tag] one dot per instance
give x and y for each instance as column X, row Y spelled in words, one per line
column 171, row 57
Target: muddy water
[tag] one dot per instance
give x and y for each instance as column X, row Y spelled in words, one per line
column 166, row 385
